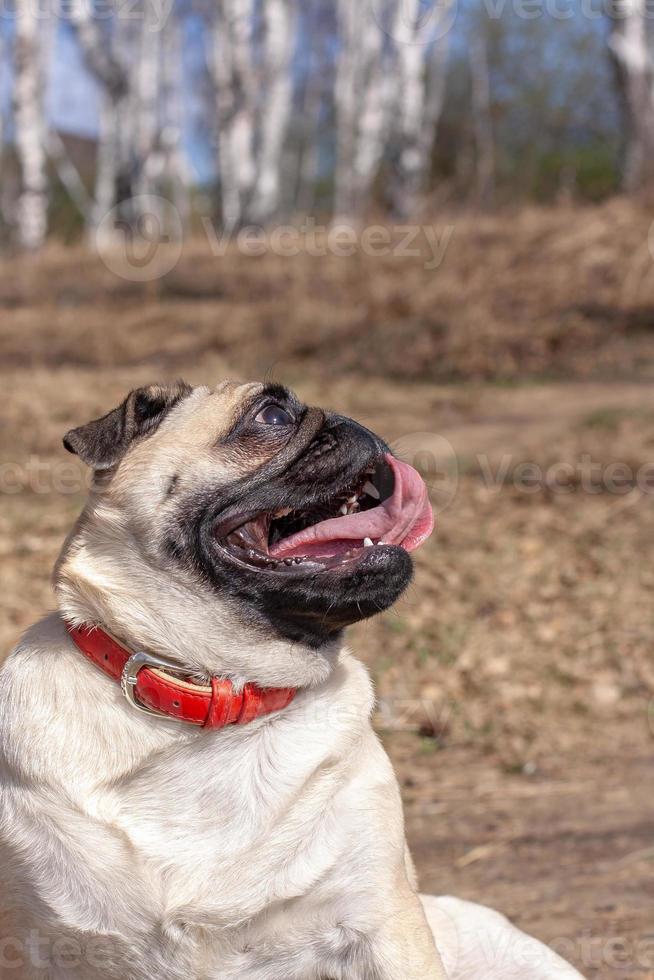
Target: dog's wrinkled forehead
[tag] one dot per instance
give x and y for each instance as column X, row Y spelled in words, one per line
column 175, row 432
column 206, row 417
column 194, row 438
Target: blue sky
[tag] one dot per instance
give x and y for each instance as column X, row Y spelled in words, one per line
column 73, row 100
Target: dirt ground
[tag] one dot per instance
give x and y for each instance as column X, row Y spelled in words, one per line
column 516, row 678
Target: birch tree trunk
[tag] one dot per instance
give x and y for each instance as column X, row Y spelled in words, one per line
column 3, row 55
column 347, row 91
column 316, row 89
column 374, row 115
column 112, row 76
column 233, row 71
column 280, row 18
column 149, row 159
column 307, row 164
column 32, row 206
column 176, row 174
column 422, row 65
column 7, row 198
column 106, row 165
column 138, row 146
column 128, row 35
column 411, row 62
column 482, row 121
column 363, row 92
column 630, row 48
column 97, row 49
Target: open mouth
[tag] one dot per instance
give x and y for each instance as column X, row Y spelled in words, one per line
column 387, row 505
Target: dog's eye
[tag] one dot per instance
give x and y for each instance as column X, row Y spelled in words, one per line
column 274, row 415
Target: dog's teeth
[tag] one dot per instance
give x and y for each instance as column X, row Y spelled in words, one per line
column 352, row 505
column 344, row 510
column 367, row 543
column 284, row 512
column 371, row 490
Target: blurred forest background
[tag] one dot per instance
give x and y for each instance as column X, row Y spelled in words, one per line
column 435, row 216
column 264, row 110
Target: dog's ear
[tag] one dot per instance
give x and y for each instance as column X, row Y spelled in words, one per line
column 103, row 442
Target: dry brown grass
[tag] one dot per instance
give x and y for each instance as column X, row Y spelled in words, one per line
column 561, row 293
column 527, row 636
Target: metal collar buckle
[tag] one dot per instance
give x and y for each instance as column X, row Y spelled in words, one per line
column 130, row 674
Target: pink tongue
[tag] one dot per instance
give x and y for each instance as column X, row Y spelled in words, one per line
column 404, row 519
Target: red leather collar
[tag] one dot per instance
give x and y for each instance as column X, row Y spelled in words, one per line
column 159, row 693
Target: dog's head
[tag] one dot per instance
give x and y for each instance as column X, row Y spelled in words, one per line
column 298, row 519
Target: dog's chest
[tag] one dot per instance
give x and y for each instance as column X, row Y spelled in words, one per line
column 249, row 868
column 241, row 823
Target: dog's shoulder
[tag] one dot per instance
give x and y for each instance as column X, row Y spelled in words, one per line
column 42, row 708
column 27, row 681
column 35, row 658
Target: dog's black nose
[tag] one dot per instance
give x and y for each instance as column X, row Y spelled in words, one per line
column 342, row 425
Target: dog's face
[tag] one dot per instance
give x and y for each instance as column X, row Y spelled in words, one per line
column 299, row 517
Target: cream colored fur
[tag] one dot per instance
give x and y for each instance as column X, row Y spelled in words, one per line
column 140, row 849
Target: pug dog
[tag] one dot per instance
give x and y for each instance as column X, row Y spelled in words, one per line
column 190, row 785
